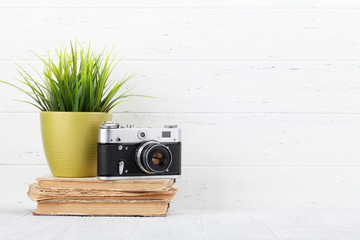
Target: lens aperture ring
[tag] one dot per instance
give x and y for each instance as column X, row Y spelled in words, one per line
column 142, row 157
column 146, row 158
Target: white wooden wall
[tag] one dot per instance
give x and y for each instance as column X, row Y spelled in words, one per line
column 267, row 92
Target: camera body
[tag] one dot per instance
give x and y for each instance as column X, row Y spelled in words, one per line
column 130, row 153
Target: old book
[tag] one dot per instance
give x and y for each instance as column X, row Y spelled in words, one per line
column 36, row 193
column 144, row 185
column 103, row 208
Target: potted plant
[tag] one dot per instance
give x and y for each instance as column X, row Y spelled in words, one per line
column 74, row 97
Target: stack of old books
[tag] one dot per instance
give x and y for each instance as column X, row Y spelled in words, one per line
column 91, row 196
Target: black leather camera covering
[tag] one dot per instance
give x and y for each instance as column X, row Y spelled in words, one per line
column 109, row 157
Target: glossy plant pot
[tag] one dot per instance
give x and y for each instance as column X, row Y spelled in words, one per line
column 70, row 142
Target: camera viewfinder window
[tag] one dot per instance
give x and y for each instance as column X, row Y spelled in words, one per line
column 166, row 134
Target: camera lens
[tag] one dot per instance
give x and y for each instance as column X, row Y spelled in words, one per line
column 153, row 157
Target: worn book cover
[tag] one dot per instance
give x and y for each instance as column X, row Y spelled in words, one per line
column 136, row 185
column 36, row 193
column 94, row 197
column 103, row 208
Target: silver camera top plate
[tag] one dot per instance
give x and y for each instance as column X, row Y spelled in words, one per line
column 118, row 134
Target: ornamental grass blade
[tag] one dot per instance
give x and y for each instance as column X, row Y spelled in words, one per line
column 78, row 81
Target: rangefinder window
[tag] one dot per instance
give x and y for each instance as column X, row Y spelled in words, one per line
column 166, row 134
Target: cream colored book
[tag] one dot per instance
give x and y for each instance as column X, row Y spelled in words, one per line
column 36, row 193
column 103, row 208
column 136, row 185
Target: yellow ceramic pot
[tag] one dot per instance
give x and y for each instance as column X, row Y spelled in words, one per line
column 70, row 142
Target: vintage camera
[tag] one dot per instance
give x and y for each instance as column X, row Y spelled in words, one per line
column 128, row 152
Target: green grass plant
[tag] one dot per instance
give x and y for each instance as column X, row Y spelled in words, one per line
column 78, row 82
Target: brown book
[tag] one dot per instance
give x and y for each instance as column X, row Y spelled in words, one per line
column 36, row 193
column 138, row 185
column 103, row 208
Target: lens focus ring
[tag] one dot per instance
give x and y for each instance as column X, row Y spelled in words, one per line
column 153, row 157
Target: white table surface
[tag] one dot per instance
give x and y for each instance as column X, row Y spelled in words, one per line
column 248, row 223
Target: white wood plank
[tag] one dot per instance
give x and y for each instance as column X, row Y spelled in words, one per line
column 219, row 140
column 15, row 183
column 236, row 187
column 264, row 223
column 173, row 34
column 225, row 187
column 296, row 224
column 236, row 224
column 344, row 221
column 24, row 146
column 37, row 227
column 8, row 216
column 121, row 228
column 222, row 87
column 177, row 225
column 183, row 4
